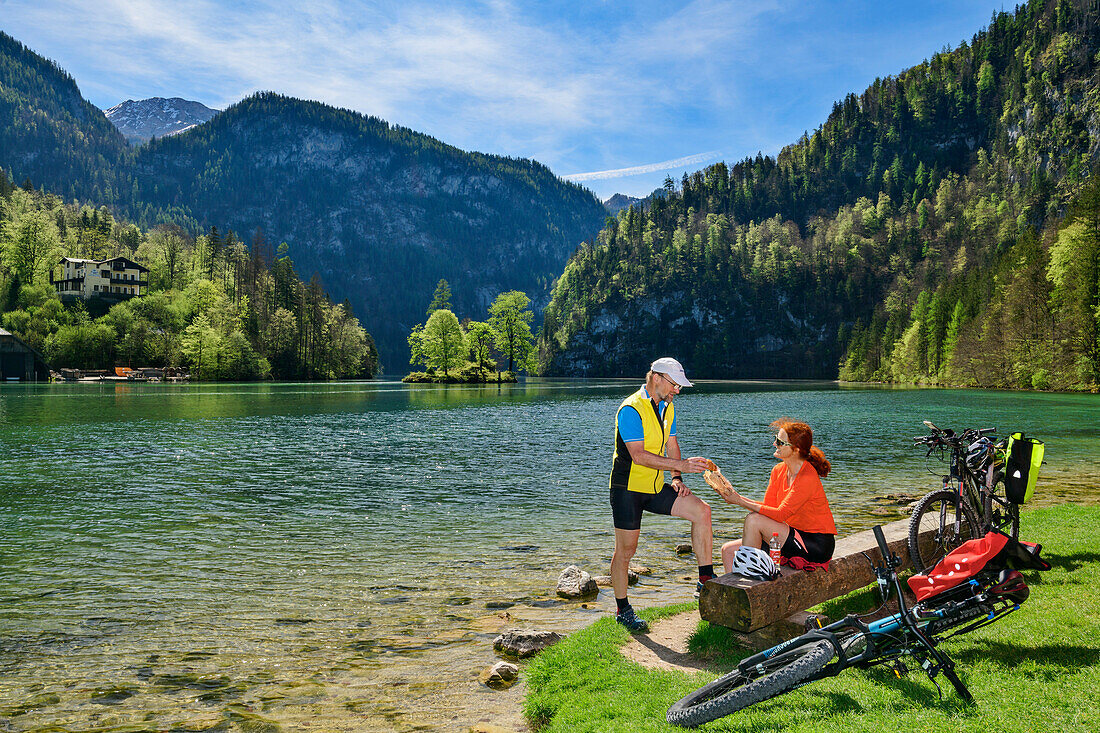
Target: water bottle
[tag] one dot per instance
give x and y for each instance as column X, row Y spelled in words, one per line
column 774, row 552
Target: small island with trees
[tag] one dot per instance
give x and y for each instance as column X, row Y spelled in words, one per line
column 468, row 351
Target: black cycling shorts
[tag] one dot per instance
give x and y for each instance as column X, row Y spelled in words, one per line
column 627, row 506
column 815, row 546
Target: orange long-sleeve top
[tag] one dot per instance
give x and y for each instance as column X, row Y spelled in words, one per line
column 803, row 505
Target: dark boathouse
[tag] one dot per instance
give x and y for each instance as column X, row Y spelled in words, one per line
column 19, row 361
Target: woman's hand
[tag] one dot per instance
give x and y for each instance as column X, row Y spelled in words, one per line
column 721, row 484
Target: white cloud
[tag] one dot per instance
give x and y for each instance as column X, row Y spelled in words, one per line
column 578, row 86
column 684, row 162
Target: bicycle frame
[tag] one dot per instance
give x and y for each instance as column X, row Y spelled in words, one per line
column 971, row 488
column 914, row 632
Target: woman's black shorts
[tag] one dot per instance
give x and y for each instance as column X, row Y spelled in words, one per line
column 627, row 506
column 815, row 546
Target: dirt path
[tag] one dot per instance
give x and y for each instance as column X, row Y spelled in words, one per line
column 665, row 646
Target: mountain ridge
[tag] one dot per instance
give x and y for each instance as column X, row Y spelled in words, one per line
column 379, row 211
column 885, row 242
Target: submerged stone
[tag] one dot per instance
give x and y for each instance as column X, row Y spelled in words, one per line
column 34, row 703
column 500, row 676
column 113, row 695
column 191, row 681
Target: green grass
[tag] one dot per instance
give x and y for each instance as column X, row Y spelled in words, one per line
column 719, row 645
column 1036, row 670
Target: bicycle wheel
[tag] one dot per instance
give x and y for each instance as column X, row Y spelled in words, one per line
column 936, row 514
column 737, row 690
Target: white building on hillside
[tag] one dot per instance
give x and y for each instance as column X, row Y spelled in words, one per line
column 115, row 279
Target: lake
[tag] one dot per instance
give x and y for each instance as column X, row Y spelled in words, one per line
column 341, row 556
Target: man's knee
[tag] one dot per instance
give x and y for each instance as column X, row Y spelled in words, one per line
column 752, row 520
column 625, row 550
column 693, row 509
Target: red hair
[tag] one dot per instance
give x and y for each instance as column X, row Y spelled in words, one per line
column 801, row 438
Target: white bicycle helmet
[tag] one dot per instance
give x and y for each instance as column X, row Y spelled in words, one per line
column 754, row 563
column 979, row 453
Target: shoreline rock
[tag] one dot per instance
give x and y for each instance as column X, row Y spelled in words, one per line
column 604, row 581
column 576, row 583
column 523, row 643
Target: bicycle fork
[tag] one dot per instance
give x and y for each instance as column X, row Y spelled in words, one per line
column 935, row 661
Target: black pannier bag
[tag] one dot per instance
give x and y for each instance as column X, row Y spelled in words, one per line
column 1025, row 455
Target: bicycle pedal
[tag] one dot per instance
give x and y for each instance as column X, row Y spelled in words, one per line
column 900, row 670
column 815, row 621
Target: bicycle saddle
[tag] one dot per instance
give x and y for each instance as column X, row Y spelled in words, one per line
column 1010, row 584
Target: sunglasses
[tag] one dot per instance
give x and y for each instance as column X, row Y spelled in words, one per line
column 777, row 442
column 662, row 376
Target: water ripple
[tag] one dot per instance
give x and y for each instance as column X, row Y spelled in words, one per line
column 182, row 555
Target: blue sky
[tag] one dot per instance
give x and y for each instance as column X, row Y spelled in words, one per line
column 615, row 95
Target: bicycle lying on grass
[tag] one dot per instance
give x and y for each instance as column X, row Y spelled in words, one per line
column 983, row 588
column 985, row 485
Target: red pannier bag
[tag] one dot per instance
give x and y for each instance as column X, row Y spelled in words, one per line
column 994, row 552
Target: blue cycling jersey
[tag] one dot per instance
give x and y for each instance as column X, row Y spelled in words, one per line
column 630, row 422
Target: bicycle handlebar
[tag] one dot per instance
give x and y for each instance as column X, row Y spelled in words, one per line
column 881, row 539
column 889, row 559
column 941, row 437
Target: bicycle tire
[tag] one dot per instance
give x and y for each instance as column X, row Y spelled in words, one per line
column 736, row 691
column 936, row 511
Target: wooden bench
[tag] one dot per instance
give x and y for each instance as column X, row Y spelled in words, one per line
column 749, row 605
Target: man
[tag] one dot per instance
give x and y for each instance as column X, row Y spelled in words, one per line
column 646, row 447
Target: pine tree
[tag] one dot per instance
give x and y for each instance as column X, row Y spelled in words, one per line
column 441, row 300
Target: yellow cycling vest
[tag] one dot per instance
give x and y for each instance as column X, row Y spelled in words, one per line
column 627, row 474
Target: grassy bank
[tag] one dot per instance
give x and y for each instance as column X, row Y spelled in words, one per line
column 1037, row 669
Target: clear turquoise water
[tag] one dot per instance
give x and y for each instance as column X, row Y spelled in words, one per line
column 340, row 556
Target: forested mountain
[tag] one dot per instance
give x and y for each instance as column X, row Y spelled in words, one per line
column 917, row 234
column 50, row 133
column 143, row 119
column 381, row 212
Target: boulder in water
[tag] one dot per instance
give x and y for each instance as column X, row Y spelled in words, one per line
column 523, row 643
column 576, row 583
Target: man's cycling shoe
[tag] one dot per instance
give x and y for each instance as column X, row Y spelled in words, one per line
column 633, row 624
column 702, row 581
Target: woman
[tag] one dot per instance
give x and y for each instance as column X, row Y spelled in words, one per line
column 794, row 505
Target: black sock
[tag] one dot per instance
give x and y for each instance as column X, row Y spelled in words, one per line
column 622, row 603
column 706, row 571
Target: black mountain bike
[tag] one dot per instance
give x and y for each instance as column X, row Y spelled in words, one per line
column 912, row 634
column 971, row 501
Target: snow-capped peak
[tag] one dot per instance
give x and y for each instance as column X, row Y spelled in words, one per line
column 142, row 119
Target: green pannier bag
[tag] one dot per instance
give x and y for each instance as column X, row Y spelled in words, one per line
column 1025, row 455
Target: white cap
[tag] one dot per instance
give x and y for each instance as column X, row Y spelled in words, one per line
column 671, row 369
